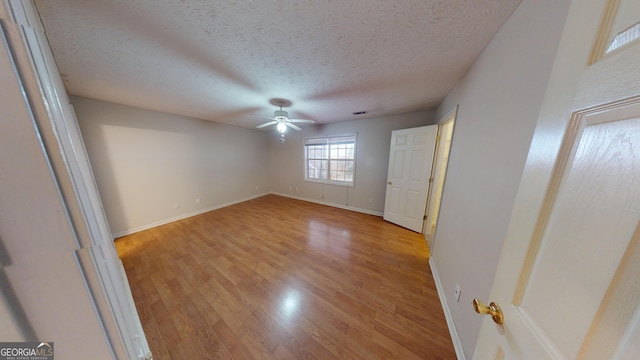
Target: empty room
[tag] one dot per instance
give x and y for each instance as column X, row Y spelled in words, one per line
column 320, row 180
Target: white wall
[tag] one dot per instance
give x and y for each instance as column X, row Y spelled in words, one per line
column 286, row 161
column 500, row 98
column 145, row 161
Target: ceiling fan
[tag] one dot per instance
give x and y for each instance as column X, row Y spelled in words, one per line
column 281, row 118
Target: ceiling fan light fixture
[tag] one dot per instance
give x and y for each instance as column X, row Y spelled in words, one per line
column 281, row 118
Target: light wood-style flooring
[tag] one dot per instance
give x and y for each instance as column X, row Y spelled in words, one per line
column 277, row 278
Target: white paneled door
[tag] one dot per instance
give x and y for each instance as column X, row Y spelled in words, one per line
column 410, row 160
column 568, row 281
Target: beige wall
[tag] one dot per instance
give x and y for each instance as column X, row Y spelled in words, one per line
column 499, row 98
column 145, row 161
column 286, row 161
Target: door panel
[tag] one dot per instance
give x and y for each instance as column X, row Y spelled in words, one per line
column 417, row 161
column 596, row 198
column 394, row 200
column 597, row 184
column 576, row 293
column 411, row 210
column 398, row 164
column 410, row 160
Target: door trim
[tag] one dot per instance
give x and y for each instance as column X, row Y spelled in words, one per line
column 449, row 118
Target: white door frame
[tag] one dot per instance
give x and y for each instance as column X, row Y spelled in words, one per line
column 438, row 176
column 57, row 125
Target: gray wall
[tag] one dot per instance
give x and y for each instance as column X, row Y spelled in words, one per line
column 286, row 161
column 499, row 101
column 145, row 161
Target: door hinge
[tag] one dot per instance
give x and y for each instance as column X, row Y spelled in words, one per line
column 430, row 180
column 424, row 217
column 437, row 137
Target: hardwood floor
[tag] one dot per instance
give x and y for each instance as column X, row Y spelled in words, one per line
column 277, row 278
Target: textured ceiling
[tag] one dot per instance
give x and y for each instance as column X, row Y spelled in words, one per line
column 224, row 60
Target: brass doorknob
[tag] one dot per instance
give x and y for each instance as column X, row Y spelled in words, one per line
column 493, row 309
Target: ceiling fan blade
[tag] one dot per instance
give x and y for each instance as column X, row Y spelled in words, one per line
column 292, row 126
column 267, row 124
column 302, row 121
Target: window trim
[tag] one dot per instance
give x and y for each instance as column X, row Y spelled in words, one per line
column 328, row 140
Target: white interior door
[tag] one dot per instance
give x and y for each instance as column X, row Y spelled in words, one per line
column 568, row 280
column 410, row 160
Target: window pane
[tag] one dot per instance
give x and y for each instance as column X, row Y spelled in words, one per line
column 319, row 164
column 348, row 166
column 311, row 171
column 341, row 170
column 317, row 169
column 334, row 166
column 348, row 176
column 316, row 152
column 342, row 151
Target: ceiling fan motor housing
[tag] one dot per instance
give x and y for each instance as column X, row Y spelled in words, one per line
column 280, row 115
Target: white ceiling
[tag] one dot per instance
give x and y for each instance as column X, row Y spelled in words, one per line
column 224, row 60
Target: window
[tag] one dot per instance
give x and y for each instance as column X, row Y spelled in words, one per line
column 330, row 160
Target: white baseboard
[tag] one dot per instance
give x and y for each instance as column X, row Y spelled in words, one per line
column 184, row 216
column 364, row 211
column 219, row 206
column 457, row 344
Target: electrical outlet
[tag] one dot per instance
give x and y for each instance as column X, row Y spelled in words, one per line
column 197, row 200
column 457, row 293
column 176, row 206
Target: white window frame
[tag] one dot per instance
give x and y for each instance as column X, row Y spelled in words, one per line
column 327, row 140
